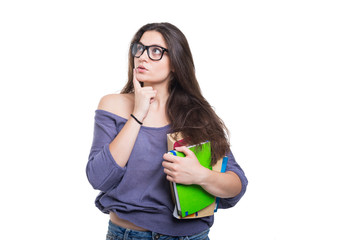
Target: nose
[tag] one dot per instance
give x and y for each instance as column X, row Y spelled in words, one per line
column 144, row 56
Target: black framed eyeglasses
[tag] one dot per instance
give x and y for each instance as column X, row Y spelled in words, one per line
column 154, row 52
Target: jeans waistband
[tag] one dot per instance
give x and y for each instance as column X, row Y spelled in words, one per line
column 118, row 231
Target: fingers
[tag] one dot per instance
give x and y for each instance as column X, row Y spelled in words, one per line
column 170, row 169
column 144, row 96
column 175, row 159
column 186, row 151
column 169, row 157
column 181, row 169
column 136, row 83
column 170, row 163
column 167, row 165
column 149, row 91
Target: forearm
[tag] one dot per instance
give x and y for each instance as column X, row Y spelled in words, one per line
column 223, row 185
column 123, row 143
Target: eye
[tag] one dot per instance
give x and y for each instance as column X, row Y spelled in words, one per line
column 139, row 47
column 156, row 50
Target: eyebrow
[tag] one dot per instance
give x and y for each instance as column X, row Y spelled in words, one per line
column 158, row 45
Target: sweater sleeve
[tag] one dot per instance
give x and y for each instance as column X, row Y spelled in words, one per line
column 233, row 166
column 102, row 171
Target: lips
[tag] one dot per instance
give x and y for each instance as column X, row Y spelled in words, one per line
column 142, row 68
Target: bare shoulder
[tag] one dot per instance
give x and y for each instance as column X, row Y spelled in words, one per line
column 119, row 104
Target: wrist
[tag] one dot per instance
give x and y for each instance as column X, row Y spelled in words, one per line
column 137, row 120
column 204, row 177
column 140, row 117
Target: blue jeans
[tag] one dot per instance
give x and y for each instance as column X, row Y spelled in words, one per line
column 118, row 233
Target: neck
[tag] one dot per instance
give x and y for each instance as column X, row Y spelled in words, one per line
column 157, row 115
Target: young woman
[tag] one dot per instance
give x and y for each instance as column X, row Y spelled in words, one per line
column 128, row 162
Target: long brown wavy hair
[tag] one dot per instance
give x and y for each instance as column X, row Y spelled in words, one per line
column 187, row 109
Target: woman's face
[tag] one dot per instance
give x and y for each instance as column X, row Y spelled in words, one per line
column 150, row 71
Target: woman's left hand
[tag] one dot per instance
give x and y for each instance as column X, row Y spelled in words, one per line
column 185, row 170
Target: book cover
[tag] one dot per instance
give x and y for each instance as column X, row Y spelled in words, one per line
column 175, row 140
column 192, row 198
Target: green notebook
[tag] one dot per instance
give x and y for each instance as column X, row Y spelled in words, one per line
column 192, row 198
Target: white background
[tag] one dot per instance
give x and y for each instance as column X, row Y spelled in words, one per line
column 283, row 75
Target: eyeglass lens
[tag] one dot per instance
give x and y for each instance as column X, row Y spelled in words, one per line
column 154, row 52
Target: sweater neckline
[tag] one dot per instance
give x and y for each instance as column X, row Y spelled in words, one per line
column 125, row 119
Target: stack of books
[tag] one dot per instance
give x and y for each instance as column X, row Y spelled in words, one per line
column 192, row 201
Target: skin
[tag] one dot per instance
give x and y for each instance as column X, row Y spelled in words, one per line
column 148, row 105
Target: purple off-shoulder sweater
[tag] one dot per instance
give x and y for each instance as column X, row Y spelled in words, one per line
column 139, row 192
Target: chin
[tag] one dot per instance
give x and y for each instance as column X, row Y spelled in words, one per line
column 144, row 80
column 147, row 80
column 150, row 80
